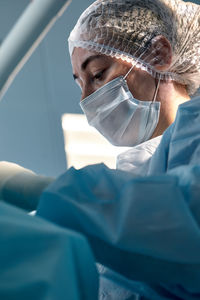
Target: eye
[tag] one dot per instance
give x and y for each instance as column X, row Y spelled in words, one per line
column 98, row 76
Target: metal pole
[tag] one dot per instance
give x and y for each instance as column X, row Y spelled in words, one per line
column 25, row 36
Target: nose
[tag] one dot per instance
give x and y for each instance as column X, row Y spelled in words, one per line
column 87, row 90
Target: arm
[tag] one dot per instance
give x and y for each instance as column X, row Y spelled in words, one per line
column 21, row 187
column 134, row 226
column 40, row 260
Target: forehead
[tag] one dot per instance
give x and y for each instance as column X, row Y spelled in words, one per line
column 81, row 56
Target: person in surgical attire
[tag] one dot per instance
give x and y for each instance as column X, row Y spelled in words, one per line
column 137, row 63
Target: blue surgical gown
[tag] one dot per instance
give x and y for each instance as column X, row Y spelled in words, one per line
column 145, row 228
column 21, row 187
column 41, row 261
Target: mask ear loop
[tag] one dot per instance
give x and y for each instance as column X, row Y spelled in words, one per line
column 156, row 91
column 129, row 71
column 134, row 64
column 126, row 75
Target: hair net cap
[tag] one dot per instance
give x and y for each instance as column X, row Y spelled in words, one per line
column 125, row 29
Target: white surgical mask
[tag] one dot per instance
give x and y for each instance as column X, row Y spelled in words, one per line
column 118, row 116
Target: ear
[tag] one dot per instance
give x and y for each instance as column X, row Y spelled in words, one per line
column 161, row 52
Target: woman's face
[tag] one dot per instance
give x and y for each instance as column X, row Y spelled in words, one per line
column 92, row 70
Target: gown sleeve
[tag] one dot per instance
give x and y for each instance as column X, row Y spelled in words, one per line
column 41, row 261
column 133, row 225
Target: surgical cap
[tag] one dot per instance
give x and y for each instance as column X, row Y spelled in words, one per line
column 125, row 29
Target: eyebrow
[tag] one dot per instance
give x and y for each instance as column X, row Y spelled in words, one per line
column 86, row 62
